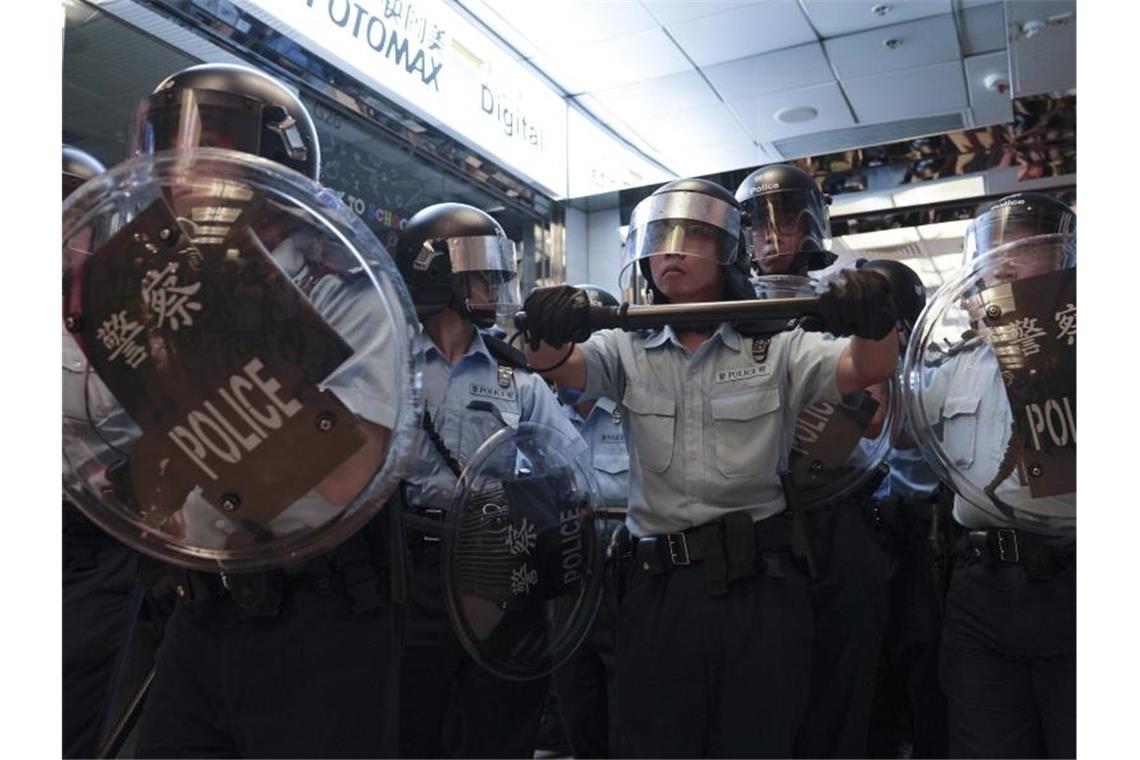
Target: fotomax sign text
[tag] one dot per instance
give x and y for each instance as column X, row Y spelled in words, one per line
column 429, row 59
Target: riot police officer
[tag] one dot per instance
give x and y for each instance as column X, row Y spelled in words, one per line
column 714, row 629
column 585, row 685
column 100, row 595
column 786, row 231
column 460, row 268
column 301, row 661
column 1008, row 649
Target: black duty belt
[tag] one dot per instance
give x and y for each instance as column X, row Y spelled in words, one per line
column 731, row 548
column 424, row 525
column 1039, row 555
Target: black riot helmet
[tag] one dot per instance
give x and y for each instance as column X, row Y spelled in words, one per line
column 222, row 105
column 785, row 214
column 1017, row 217
column 452, row 255
column 693, row 217
column 78, row 167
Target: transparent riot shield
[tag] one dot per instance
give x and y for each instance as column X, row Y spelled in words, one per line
column 522, row 562
column 239, row 386
column 990, row 382
column 837, row 447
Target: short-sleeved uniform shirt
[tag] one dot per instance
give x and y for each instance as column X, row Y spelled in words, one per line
column 604, row 433
column 468, row 403
column 966, row 400
column 708, row 433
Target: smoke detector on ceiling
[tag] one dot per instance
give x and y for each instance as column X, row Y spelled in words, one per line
column 998, row 83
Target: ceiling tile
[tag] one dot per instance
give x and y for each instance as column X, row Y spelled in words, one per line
column 978, row 67
column 568, row 24
column 983, row 29
column 692, row 128
column 836, row 17
column 789, row 69
column 615, row 62
column 992, row 113
column 826, row 99
column 903, row 94
column 694, row 162
column 1047, row 61
column 667, row 94
column 919, row 43
column 743, row 32
column 674, row 11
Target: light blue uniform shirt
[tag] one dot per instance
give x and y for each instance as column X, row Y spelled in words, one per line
column 967, row 398
column 604, row 433
column 910, row 478
column 709, row 432
column 448, row 394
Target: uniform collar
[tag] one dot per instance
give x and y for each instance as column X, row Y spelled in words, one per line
column 726, row 333
column 425, row 347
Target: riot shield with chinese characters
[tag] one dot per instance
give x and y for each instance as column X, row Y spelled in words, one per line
column 837, row 447
column 522, row 563
column 243, row 392
column 990, row 383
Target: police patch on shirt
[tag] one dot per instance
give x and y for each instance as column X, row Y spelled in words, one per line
column 742, row 373
column 490, row 391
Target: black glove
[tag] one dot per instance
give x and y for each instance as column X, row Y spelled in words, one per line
column 858, row 303
column 907, row 290
column 557, row 315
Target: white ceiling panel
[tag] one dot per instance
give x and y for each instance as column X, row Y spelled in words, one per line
column 612, row 63
column 826, row 99
column 663, row 95
column 983, row 29
column 917, row 43
column 614, row 122
column 789, row 69
column 675, row 11
column 833, row 18
column 1047, row 61
column 689, row 129
column 903, row 94
column 991, row 114
column 715, row 158
column 565, row 24
column 512, row 36
column 746, row 31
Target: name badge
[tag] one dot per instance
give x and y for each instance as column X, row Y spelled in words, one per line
column 487, row 391
column 743, row 373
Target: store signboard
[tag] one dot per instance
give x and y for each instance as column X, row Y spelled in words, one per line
column 426, row 57
column 601, row 164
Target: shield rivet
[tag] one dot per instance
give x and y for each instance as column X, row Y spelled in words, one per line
column 230, row 502
column 325, row 421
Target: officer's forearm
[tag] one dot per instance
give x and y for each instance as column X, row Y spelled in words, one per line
column 866, row 362
column 569, row 374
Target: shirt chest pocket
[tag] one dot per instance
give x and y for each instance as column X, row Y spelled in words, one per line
column 479, row 424
column 746, row 427
column 652, row 418
column 611, row 458
column 960, row 428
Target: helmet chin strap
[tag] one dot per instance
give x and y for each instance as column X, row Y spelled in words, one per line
column 480, row 318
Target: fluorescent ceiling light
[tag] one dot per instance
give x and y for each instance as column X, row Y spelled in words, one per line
column 893, row 238
column 861, row 205
column 939, row 192
column 944, row 230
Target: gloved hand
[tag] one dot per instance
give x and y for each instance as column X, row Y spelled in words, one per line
column 859, row 303
column 907, row 290
column 557, row 315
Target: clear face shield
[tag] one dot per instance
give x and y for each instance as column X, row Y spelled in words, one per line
column 681, row 224
column 183, row 119
column 1015, row 220
column 784, row 224
column 484, row 276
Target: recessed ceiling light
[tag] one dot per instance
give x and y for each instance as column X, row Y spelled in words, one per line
column 796, row 114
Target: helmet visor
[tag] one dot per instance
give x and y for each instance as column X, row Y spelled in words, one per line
column 485, row 274
column 186, row 119
column 1017, row 220
column 783, row 224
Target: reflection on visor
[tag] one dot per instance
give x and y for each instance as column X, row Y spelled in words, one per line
column 191, row 119
column 487, row 253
